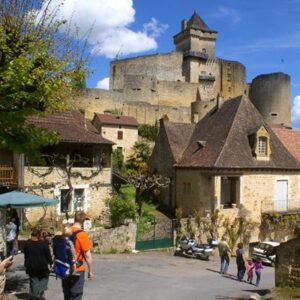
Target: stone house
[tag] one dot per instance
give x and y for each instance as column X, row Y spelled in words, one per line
column 122, row 130
column 232, row 159
column 77, row 170
column 287, row 269
column 167, row 151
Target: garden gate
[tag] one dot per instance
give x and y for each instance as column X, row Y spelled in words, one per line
column 157, row 233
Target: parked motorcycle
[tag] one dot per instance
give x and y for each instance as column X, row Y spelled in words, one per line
column 187, row 246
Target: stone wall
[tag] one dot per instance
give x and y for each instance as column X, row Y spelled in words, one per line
column 130, row 136
column 287, row 270
column 256, row 194
column 96, row 100
column 166, row 66
column 194, row 191
column 118, row 239
column 96, row 190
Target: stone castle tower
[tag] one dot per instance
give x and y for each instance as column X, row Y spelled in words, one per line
column 189, row 78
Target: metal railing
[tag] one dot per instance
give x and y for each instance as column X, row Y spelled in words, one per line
column 7, row 175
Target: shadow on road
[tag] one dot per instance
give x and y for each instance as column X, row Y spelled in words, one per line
column 15, row 283
column 228, row 276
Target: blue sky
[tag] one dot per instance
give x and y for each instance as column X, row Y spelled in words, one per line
column 262, row 34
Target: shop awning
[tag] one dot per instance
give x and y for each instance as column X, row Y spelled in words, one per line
column 22, row 200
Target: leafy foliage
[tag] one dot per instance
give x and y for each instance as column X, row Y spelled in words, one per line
column 137, row 161
column 120, row 210
column 145, row 183
column 118, row 161
column 149, row 132
column 40, row 64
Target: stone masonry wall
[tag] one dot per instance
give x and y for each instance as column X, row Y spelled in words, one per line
column 96, row 190
column 118, row 239
column 166, row 66
column 130, row 136
column 287, row 269
column 95, row 100
column 257, row 193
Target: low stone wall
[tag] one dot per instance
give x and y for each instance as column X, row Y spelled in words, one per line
column 287, row 270
column 114, row 240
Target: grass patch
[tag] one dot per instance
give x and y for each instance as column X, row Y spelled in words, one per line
column 127, row 192
column 285, row 293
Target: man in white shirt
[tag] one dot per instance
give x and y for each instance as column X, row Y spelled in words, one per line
column 11, row 233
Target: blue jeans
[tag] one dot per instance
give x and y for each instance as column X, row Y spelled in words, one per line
column 258, row 276
column 73, row 287
column 10, row 248
column 241, row 270
column 224, row 263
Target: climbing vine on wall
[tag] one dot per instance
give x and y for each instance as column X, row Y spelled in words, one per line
column 275, row 222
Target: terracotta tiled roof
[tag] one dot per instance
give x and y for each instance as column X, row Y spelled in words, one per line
column 71, row 126
column 109, row 119
column 221, row 140
column 196, row 22
column 290, row 139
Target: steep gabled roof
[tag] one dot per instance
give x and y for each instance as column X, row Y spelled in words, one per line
column 178, row 135
column 290, row 139
column 71, row 126
column 107, row 119
column 197, row 23
column 221, row 140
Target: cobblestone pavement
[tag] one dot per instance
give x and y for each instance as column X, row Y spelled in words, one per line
column 151, row 275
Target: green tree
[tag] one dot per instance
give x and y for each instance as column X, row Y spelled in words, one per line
column 138, row 174
column 41, row 64
column 120, row 210
column 149, row 132
column 118, row 160
column 137, row 161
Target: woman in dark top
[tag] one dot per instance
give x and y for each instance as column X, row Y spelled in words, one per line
column 240, row 261
column 37, row 263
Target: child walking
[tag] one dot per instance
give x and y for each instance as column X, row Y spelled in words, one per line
column 249, row 267
column 258, row 268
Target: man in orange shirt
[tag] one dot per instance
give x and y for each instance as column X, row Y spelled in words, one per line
column 73, row 285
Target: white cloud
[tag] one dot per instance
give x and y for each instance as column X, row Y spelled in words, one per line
column 227, row 12
column 103, row 84
column 154, row 29
column 111, row 34
column 296, row 112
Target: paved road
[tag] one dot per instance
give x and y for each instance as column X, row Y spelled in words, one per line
column 151, row 276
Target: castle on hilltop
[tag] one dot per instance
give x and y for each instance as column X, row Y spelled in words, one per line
column 187, row 83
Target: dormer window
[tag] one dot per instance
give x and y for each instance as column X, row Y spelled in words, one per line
column 263, row 146
column 259, row 141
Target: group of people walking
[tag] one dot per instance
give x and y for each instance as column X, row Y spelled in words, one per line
column 243, row 265
column 39, row 262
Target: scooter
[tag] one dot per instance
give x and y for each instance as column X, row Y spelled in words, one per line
column 187, row 246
